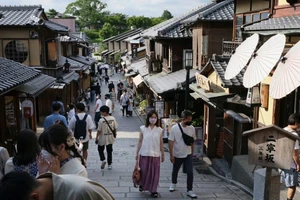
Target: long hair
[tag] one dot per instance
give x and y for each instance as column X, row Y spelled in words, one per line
column 27, row 148
column 57, row 134
column 150, row 113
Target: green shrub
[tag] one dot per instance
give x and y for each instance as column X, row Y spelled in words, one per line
column 93, row 34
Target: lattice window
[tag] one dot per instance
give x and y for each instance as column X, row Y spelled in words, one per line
column 16, row 51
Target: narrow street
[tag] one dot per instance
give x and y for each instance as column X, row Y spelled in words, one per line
column 118, row 181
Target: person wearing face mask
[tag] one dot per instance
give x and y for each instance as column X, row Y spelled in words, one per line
column 180, row 153
column 60, row 152
column 149, row 154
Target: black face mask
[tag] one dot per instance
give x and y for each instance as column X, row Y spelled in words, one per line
column 188, row 123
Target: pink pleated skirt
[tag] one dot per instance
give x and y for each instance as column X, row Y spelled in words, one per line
column 150, row 172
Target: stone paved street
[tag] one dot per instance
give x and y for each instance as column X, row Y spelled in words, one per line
column 118, row 180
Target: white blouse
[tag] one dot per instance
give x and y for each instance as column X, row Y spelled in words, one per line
column 151, row 141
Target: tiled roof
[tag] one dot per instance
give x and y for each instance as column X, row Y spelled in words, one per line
column 219, row 66
column 124, row 35
column 56, row 26
column 21, row 15
column 143, row 71
column 85, row 60
column 212, row 11
column 136, row 65
column 13, row 74
column 285, row 24
column 69, row 77
column 37, row 85
column 180, row 31
column 217, row 12
column 27, row 16
column 164, row 82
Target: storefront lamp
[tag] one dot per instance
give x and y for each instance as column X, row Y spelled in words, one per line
column 67, row 66
column 187, row 64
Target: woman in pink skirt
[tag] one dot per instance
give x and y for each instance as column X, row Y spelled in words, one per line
column 149, row 154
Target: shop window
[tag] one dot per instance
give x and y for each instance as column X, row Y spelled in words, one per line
column 16, row 51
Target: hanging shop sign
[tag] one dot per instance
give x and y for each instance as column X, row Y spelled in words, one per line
column 203, row 82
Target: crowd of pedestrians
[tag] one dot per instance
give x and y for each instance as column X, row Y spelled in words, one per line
column 54, row 165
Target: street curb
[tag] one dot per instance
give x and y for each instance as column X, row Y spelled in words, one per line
column 235, row 183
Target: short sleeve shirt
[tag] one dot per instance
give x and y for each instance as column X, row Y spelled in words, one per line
column 293, row 165
column 106, row 136
column 181, row 150
column 98, row 102
column 89, row 124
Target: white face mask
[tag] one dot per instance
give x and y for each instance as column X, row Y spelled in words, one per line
column 152, row 120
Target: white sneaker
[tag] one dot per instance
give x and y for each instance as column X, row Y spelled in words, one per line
column 103, row 164
column 191, row 194
column 172, row 187
column 109, row 167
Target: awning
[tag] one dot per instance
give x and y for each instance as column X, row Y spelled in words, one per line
column 138, row 80
column 58, row 86
column 164, row 82
column 115, row 52
column 37, row 85
column 135, row 66
column 195, row 95
column 132, row 73
column 108, row 53
column 103, row 52
column 85, row 46
column 68, row 78
column 85, row 60
column 208, row 96
column 74, row 65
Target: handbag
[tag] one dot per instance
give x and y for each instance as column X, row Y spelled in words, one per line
column 114, row 132
column 188, row 140
column 136, row 175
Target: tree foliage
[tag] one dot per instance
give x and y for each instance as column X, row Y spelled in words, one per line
column 166, row 15
column 89, row 12
column 51, row 13
column 118, row 20
column 139, row 22
column 108, row 31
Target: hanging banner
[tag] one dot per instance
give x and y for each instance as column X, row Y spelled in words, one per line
column 160, row 108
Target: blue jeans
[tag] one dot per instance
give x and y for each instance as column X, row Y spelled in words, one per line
column 188, row 164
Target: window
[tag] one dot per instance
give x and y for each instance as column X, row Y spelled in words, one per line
column 166, row 52
column 247, row 19
column 256, row 17
column 16, row 51
column 264, row 15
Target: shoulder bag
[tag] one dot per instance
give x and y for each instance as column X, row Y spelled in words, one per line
column 188, row 140
column 112, row 130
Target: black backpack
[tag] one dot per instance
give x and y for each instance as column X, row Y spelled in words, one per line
column 80, row 127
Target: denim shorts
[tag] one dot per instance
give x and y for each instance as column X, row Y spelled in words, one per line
column 289, row 177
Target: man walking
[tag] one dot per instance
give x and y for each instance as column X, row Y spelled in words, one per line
column 82, row 126
column 111, row 86
column 108, row 103
column 290, row 176
column 97, row 110
column 180, row 153
column 106, row 134
column 62, row 108
column 55, row 116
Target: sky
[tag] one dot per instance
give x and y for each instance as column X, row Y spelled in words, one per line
column 148, row 8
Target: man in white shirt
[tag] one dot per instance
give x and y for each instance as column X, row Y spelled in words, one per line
column 51, row 186
column 108, row 103
column 97, row 110
column 87, row 135
column 124, row 102
column 180, row 153
column 105, row 136
column 290, row 176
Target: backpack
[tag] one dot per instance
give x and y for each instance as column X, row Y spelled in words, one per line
column 80, row 127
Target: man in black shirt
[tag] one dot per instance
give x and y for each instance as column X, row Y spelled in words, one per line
column 111, row 86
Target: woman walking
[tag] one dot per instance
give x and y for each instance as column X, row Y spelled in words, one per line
column 130, row 106
column 149, row 154
column 27, row 151
column 113, row 97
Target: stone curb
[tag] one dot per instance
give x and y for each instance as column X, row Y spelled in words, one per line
column 235, row 183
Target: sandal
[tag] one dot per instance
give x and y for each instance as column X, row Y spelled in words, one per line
column 140, row 188
column 154, row 194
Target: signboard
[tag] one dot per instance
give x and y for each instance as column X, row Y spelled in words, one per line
column 253, row 96
column 203, row 82
column 198, row 145
column 160, row 108
column 11, row 122
column 270, row 146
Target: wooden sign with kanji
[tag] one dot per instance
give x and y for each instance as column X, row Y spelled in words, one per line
column 271, row 146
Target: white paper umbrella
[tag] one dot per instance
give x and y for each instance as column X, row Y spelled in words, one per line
column 264, row 60
column 104, row 66
column 241, row 56
column 286, row 77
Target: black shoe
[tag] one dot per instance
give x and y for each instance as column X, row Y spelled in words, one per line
column 154, row 194
column 140, row 188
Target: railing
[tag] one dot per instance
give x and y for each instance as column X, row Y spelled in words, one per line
column 229, row 47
